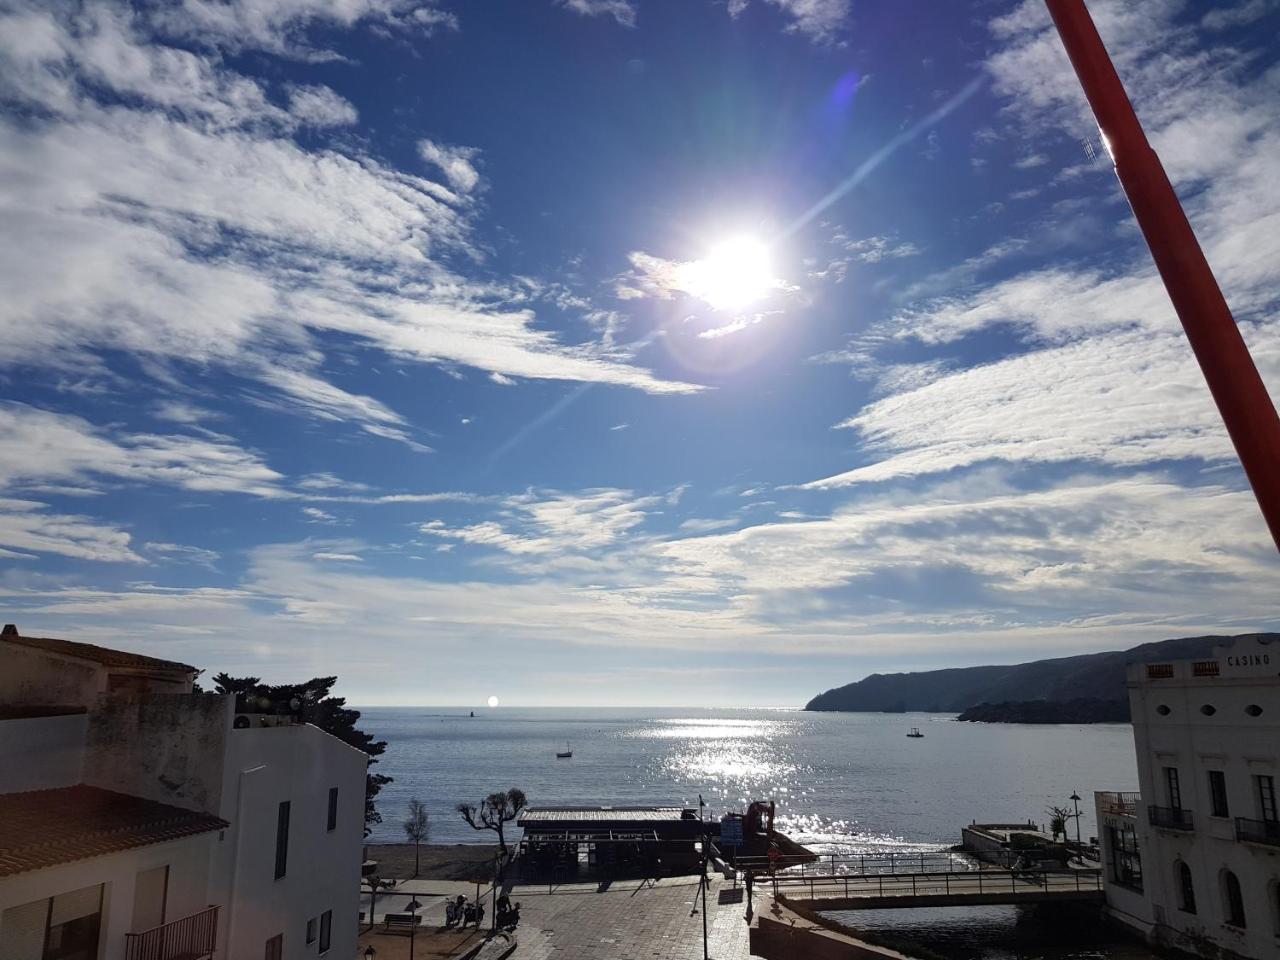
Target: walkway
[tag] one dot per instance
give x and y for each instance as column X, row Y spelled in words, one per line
column 941, row 889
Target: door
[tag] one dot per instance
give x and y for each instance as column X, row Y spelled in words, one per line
column 275, row 948
column 150, row 892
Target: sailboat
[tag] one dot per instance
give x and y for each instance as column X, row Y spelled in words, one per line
column 567, row 754
column 915, row 732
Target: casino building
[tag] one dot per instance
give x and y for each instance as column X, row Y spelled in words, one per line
column 1193, row 860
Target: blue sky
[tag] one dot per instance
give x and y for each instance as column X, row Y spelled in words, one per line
column 618, row 351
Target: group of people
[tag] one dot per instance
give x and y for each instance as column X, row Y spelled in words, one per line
column 461, row 912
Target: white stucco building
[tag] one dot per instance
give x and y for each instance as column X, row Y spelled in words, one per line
column 141, row 821
column 1193, row 861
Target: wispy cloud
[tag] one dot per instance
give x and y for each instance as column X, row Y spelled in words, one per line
column 623, row 11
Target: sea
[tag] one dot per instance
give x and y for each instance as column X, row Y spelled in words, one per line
column 844, row 783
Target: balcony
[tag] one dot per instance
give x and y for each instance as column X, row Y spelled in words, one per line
column 1205, row 668
column 1171, row 818
column 1258, row 831
column 1160, row 671
column 1118, row 804
column 191, row 938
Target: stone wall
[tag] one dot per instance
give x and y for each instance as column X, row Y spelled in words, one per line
column 34, row 677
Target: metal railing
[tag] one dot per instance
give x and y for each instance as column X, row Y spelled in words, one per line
column 1258, row 831
column 190, row 938
column 1118, row 804
column 980, row 882
column 875, row 864
column 1171, row 818
column 1160, row 671
column 1205, row 668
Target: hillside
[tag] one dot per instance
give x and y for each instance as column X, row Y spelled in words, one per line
column 1097, row 676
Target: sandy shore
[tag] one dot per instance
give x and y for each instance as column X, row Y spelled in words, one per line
column 462, row 861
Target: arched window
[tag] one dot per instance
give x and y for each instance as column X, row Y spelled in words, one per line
column 1232, row 899
column 1186, row 889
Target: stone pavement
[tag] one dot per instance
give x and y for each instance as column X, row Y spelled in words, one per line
column 629, row 920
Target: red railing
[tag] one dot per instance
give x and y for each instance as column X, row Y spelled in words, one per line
column 1205, row 668
column 1159, row 671
column 191, row 938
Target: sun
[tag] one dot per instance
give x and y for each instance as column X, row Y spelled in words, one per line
column 493, row 701
column 735, row 273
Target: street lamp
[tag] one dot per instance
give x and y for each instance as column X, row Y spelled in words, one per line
column 1075, row 800
column 369, row 952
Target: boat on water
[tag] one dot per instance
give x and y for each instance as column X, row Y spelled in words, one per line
column 566, row 753
column 915, row 732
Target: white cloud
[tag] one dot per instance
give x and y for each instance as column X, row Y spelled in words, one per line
column 38, row 445
column 316, row 515
column 456, row 163
column 822, row 21
column 338, row 557
column 26, row 526
column 876, row 249
column 183, row 553
column 623, row 11
column 319, row 106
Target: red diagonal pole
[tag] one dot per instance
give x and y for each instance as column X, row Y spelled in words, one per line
column 1233, row 379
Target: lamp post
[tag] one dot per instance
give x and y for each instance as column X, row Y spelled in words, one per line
column 1075, row 800
column 369, row 952
column 1242, row 398
column 413, row 928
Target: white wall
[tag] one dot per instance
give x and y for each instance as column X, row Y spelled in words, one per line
column 188, row 861
column 41, row 753
column 1238, row 744
column 296, row 763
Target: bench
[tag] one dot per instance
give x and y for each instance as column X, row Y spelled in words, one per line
column 400, row 922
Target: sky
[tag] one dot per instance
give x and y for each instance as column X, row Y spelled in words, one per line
column 603, row 352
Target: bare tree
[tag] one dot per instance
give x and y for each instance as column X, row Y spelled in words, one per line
column 494, row 811
column 417, row 828
column 1058, row 817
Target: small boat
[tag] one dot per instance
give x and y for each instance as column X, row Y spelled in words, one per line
column 567, row 754
column 915, row 732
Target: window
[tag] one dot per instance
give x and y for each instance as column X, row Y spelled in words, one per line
column 63, row 927
column 326, row 930
column 312, row 926
column 1233, row 899
column 1218, row 793
column 282, row 840
column 1266, row 796
column 333, row 808
column 1172, row 787
column 1253, row 710
column 1208, row 709
column 1126, row 862
column 1186, row 889
column 275, row 948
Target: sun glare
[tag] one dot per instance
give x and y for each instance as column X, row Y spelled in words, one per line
column 493, row 701
column 735, row 274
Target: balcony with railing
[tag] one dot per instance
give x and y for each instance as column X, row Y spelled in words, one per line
column 1115, row 804
column 1258, row 831
column 1170, row 818
column 190, row 938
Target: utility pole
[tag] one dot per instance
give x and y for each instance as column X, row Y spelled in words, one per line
column 1233, row 379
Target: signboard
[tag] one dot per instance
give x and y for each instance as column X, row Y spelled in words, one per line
column 731, row 832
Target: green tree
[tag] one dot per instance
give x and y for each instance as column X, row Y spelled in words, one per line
column 494, row 812
column 311, row 702
column 417, row 827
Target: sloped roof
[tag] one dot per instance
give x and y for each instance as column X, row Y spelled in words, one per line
column 599, row 814
column 88, row 651
column 46, row 828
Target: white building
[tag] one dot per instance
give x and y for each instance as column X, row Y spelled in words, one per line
column 141, row 821
column 1193, row 861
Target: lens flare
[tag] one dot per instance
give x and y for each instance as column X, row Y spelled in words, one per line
column 735, row 274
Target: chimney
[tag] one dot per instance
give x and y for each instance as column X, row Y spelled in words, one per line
column 9, row 630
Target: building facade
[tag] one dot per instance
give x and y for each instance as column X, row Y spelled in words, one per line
column 146, row 822
column 1193, row 860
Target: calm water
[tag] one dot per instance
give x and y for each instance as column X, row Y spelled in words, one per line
column 847, row 783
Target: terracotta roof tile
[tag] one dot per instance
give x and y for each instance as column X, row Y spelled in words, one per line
column 45, row 828
column 103, row 655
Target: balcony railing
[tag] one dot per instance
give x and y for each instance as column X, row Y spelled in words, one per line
column 1171, row 818
column 1205, row 668
column 191, row 938
column 1160, row 671
column 1118, row 804
column 1258, row 831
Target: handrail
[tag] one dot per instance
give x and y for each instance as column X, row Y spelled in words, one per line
column 1171, row 818
column 942, row 883
column 1258, row 831
column 903, row 863
column 191, row 938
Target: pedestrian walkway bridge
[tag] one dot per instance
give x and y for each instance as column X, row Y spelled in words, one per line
column 924, row 880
